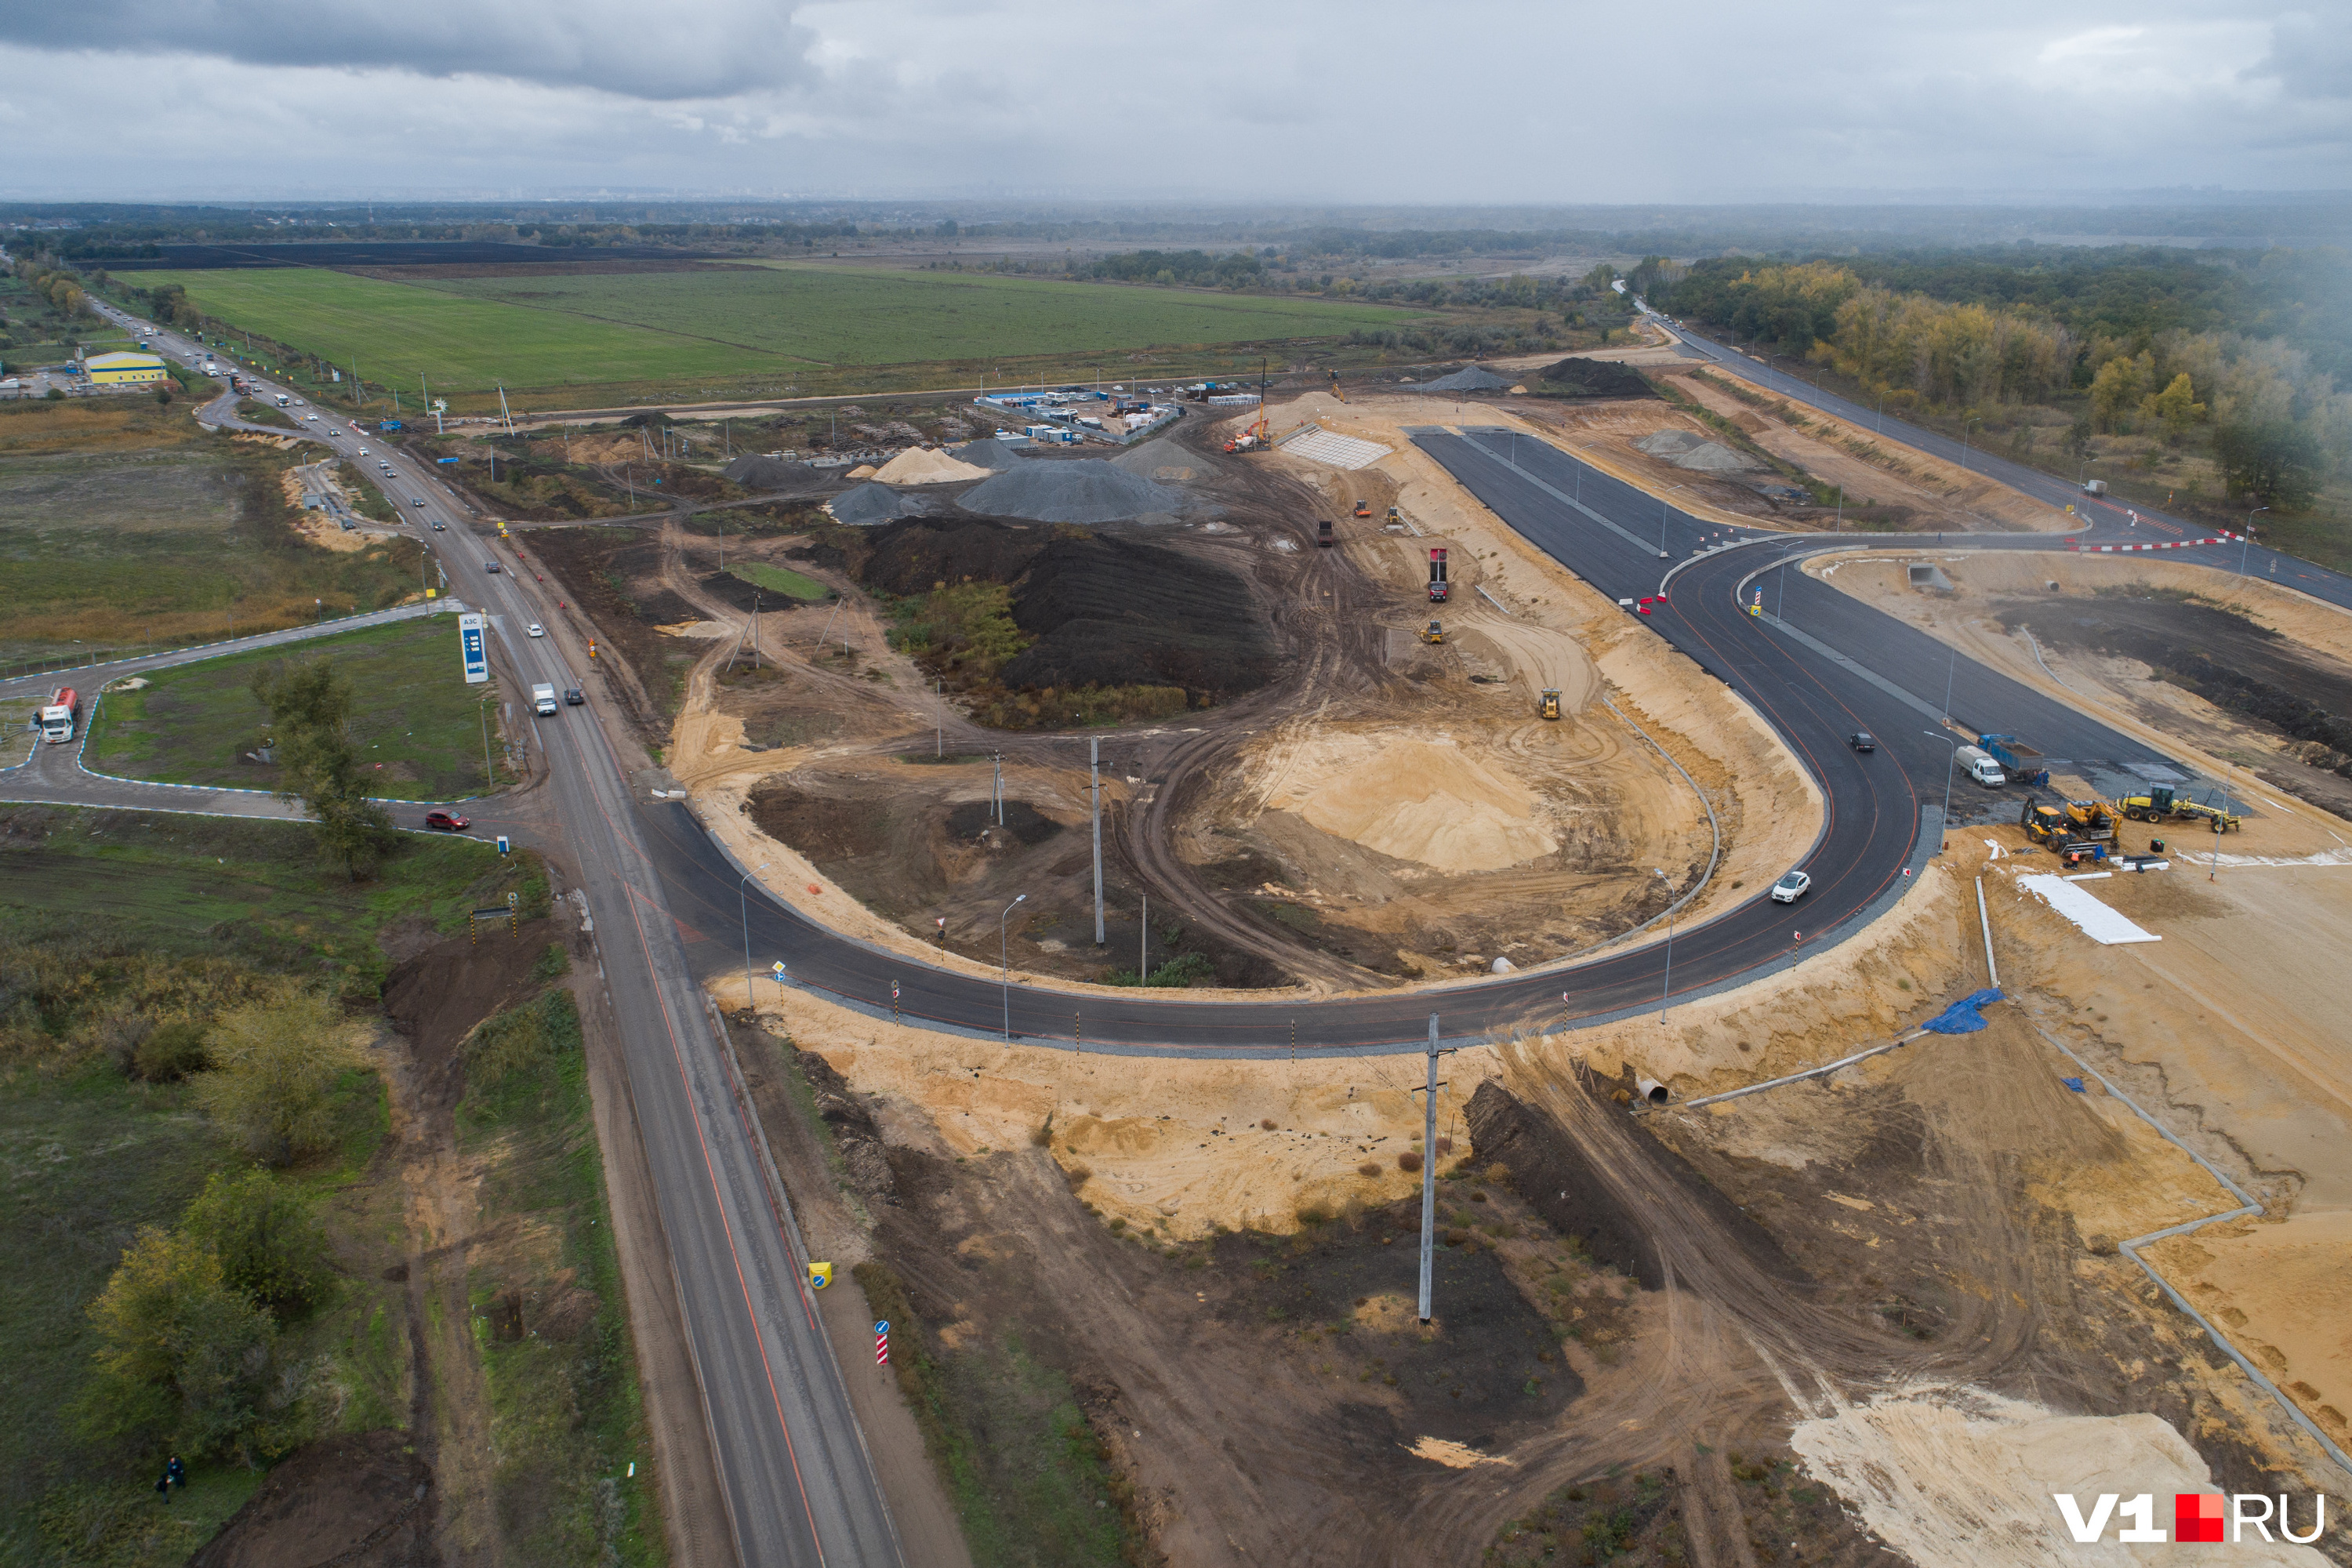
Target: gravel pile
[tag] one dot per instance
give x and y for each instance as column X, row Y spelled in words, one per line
column 769, row 473
column 988, row 453
column 1087, row 490
column 1686, row 449
column 868, row 504
column 1473, row 378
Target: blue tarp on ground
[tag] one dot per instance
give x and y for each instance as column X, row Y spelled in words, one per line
column 1962, row 1018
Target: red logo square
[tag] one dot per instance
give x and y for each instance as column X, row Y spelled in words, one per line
column 2195, row 1516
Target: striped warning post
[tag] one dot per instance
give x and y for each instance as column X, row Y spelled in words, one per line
column 882, row 1343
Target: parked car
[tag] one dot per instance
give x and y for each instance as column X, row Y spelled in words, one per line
column 1791, row 888
column 537, row 630
column 447, row 821
column 572, row 698
column 1862, row 740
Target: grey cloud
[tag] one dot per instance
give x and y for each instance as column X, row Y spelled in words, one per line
column 715, row 49
column 2310, row 58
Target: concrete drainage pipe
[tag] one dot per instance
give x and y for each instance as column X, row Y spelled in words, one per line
column 1650, row 1091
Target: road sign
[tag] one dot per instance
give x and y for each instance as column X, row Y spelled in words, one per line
column 882, row 1343
column 780, row 971
column 820, row 1275
column 502, row 843
column 471, row 646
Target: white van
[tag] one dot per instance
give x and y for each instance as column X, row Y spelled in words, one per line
column 542, row 699
column 1981, row 765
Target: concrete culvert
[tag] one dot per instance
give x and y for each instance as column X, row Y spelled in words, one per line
column 1650, row 1089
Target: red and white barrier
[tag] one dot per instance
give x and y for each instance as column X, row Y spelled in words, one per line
column 2131, row 549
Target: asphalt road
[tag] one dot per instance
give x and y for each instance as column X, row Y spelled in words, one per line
column 791, row 1458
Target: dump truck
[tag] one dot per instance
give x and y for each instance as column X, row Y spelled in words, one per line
column 1547, row 706
column 1981, row 765
column 2021, row 762
column 1437, row 577
column 2161, row 804
column 1436, row 633
column 1323, row 534
column 59, row 714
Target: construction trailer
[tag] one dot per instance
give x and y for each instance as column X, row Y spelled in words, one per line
column 1436, row 576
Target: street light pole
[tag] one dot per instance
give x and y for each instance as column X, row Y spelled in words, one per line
column 1951, row 765
column 743, row 917
column 2246, row 540
column 1666, row 989
column 1004, row 963
column 1662, row 520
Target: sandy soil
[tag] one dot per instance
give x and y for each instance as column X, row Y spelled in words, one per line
column 1870, row 467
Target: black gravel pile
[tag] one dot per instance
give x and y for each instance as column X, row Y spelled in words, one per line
column 909, row 556
column 987, row 453
column 1594, row 378
column 870, row 503
column 1115, row 612
column 770, row 474
column 1086, row 491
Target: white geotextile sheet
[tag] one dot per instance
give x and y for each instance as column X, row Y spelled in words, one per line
column 2098, row 922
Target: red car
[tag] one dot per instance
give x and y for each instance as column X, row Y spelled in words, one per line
column 447, row 821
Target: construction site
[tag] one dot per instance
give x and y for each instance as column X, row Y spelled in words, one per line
column 1856, row 1261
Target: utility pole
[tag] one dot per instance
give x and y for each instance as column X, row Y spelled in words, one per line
column 1429, row 1171
column 1095, row 769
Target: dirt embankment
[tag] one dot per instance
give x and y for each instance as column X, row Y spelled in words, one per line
column 364, row 1500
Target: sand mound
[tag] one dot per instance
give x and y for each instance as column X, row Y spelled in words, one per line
column 863, row 471
column 922, row 466
column 869, row 503
column 1415, row 800
column 1685, row 450
column 1958, row 1478
column 1086, row 491
column 1472, row 378
column 989, row 452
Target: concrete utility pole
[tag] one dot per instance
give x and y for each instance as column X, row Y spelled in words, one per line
column 1094, row 767
column 1429, row 1172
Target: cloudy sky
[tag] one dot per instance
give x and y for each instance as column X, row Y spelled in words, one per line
column 1368, row 101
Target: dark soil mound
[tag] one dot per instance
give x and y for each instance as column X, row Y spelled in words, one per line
column 913, row 554
column 1594, row 378
column 360, row 1501
column 1022, row 821
column 1552, row 1172
column 1113, row 612
column 436, row 998
column 772, row 474
column 737, row 593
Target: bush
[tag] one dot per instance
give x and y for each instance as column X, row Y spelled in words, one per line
column 275, row 1065
column 523, row 1037
column 269, row 1242
column 554, row 964
column 172, row 1051
column 184, row 1357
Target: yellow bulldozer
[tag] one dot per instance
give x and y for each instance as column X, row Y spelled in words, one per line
column 1436, row 633
column 1547, row 706
column 2160, row 805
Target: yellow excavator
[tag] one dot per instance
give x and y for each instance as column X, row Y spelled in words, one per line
column 1547, row 706
column 1436, row 633
column 1335, row 388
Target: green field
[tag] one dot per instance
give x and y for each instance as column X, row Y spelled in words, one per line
column 417, row 724
column 781, row 580
column 469, row 334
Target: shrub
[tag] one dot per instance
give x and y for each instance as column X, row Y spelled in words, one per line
column 1409, row 1161
column 172, row 1051
column 183, row 1356
column 523, row 1037
column 267, row 1239
column 554, row 964
column 275, row 1065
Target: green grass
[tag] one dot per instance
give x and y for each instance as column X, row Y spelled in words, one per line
column 198, row 885
column 416, row 727
column 781, row 579
column 472, row 334
column 117, row 532
column 566, row 1417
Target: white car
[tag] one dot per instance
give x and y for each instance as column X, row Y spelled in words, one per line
column 363, row 452
column 537, row 630
column 311, row 417
column 1791, row 888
